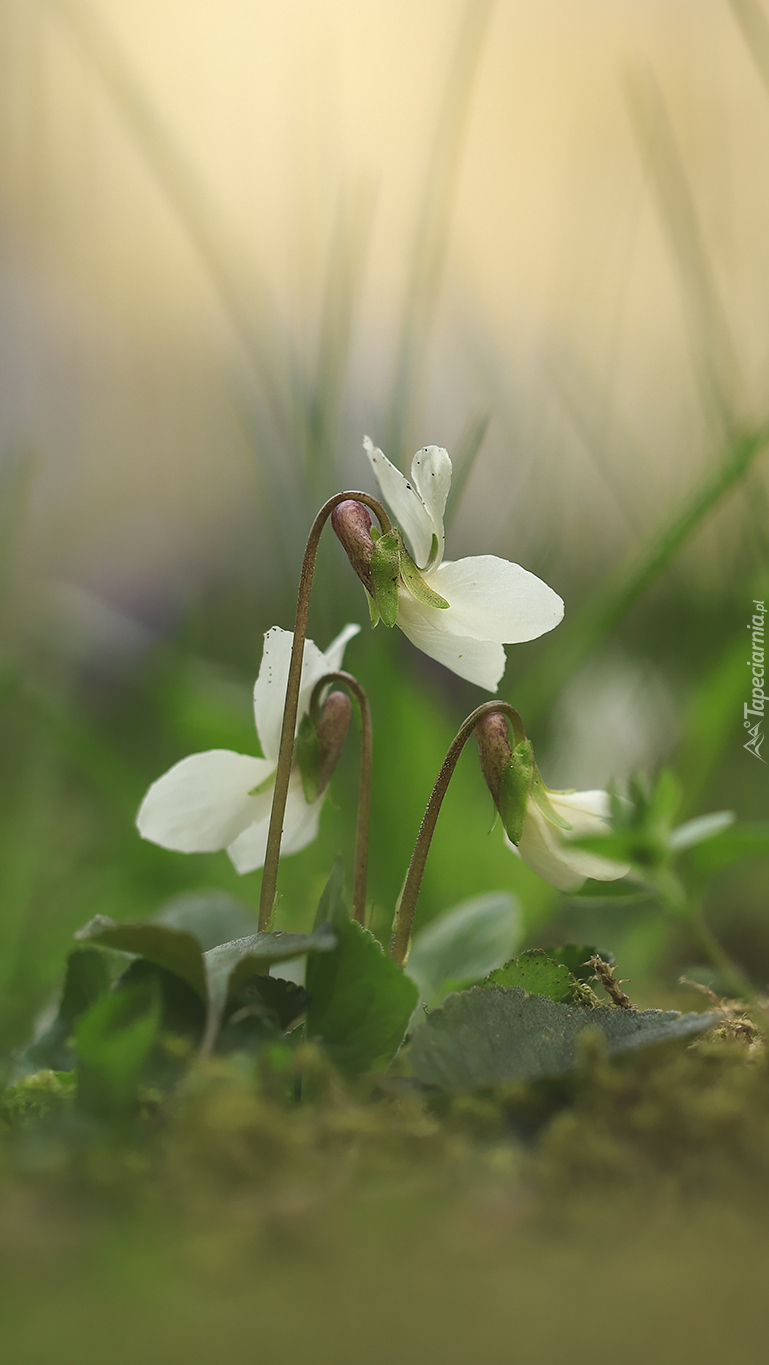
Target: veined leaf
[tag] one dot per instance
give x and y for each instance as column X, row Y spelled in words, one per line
column 492, row 1034
column 360, row 1001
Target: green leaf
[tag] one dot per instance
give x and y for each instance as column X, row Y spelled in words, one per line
column 536, row 973
column 625, row 889
column 217, row 974
column 182, row 1012
column 730, row 846
column 174, row 949
column 491, row 1034
column 360, row 1001
column 231, row 965
column 332, row 906
column 701, row 828
column 87, row 978
column 213, row 917
column 267, row 1006
column 465, row 943
column 385, row 575
column 576, row 956
column 112, row 1043
column 278, row 1001
column 309, row 757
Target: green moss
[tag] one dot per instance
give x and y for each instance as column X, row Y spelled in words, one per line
column 691, row 1123
column 36, row 1097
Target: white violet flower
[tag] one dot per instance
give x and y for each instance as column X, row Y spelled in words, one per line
column 491, row 602
column 544, row 845
column 221, row 799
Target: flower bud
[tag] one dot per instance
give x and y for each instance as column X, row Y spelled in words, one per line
column 509, row 772
column 352, row 524
column 332, row 732
column 494, row 751
column 318, row 746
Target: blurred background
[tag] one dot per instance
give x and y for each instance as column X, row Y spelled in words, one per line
column 234, row 238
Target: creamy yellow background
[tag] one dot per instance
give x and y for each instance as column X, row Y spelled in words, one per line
column 562, row 311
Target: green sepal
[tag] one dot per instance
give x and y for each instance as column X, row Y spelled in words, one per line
column 263, row 786
column 373, row 610
column 541, row 797
column 309, row 757
column 385, row 575
column 416, row 585
column 514, row 788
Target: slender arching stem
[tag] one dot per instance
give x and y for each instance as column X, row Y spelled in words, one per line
column 407, row 901
column 364, row 788
column 286, row 750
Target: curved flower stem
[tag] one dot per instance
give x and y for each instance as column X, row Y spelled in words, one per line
column 719, row 958
column 678, row 900
column 286, row 750
column 364, row 788
column 407, row 901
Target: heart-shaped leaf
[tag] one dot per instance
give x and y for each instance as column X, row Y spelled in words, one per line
column 231, row 965
column 492, row 1034
column 112, row 1042
column 213, row 917
column 173, row 949
column 360, row 1001
column 464, row 944
column 87, row 978
column 536, row 973
column 215, row 975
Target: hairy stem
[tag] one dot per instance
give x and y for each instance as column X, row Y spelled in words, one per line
column 407, row 901
column 286, row 751
column 364, row 787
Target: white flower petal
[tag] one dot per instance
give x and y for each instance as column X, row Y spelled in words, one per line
column 270, row 689
column 335, row 652
column 546, row 849
column 586, row 812
column 300, row 826
column 316, row 662
column 409, row 512
column 431, row 472
column 270, row 686
column 492, row 599
column 203, row 803
column 479, row 661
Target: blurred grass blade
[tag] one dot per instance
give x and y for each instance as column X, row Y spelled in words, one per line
column 596, row 425
column 755, row 29
column 463, row 459
column 428, row 252
column 17, row 478
column 243, row 292
column 25, row 846
column 86, row 751
column 713, row 714
column 569, row 645
column 712, row 345
column 324, row 391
